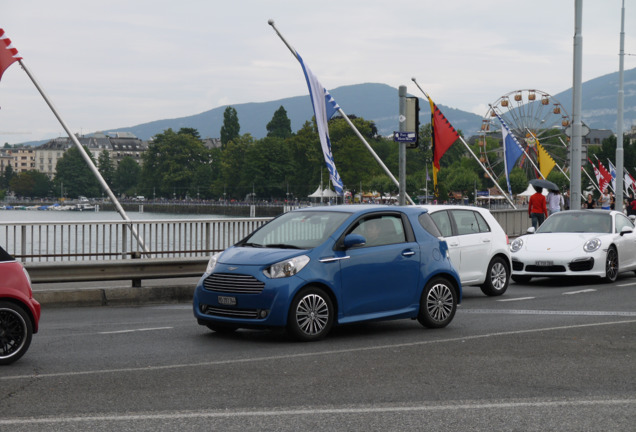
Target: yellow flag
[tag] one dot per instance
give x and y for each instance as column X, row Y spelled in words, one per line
column 546, row 163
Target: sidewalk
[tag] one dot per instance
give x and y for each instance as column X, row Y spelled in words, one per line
column 115, row 293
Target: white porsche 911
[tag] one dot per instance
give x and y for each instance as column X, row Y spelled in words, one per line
column 576, row 243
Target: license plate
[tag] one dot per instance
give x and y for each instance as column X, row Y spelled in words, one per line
column 544, row 263
column 227, row 301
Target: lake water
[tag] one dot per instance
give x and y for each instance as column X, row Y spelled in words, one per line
column 85, row 216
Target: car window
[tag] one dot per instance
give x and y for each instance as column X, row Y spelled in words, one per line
column 428, row 224
column 483, row 225
column 383, row 230
column 621, row 222
column 443, row 223
column 465, row 221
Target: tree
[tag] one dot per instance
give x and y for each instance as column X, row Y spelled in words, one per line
column 190, row 131
column 127, row 176
column 7, row 176
column 105, row 166
column 280, row 125
column 231, row 127
column 170, row 161
column 233, row 164
column 73, row 174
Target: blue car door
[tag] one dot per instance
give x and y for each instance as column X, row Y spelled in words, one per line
column 383, row 275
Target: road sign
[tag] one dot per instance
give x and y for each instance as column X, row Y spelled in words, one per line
column 406, row 137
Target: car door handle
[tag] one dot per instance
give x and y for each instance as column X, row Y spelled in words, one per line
column 453, row 244
column 486, row 240
column 408, row 253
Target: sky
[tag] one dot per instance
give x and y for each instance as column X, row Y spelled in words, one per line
column 118, row 63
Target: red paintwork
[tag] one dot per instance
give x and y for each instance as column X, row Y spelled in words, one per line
column 15, row 285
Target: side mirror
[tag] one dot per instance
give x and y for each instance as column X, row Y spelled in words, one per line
column 353, row 240
column 626, row 230
column 531, row 230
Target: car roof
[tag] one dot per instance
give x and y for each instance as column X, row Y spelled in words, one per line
column 364, row 208
column 438, row 207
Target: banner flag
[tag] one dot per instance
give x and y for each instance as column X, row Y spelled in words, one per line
column 512, row 150
column 546, row 163
column 443, row 135
column 612, row 170
column 606, row 177
column 8, row 54
column 325, row 107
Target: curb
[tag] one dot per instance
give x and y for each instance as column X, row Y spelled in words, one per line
column 114, row 296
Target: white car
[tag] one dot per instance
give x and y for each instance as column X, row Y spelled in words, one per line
column 478, row 246
column 576, row 243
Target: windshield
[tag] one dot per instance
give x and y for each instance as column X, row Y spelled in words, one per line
column 585, row 222
column 297, row 230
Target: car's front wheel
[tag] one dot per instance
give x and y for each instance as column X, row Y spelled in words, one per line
column 497, row 277
column 311, row 315
column 438, row 303
column 16, row 331
column 611, row 265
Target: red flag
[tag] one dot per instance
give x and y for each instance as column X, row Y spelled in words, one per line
column 442, row 137
column 8, row 54
column 606, row 177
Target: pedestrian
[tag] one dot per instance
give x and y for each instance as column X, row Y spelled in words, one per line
column 537, row 209
column 590, row 204
column 631, row 205
column 554, row 201
column 566, row 200
column 604, row 200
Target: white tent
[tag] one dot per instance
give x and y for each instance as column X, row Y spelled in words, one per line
column 530, row 191
column 326, row 193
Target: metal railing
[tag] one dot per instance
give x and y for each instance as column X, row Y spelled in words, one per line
column 110, row 240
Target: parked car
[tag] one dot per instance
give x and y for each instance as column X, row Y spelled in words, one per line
column 19, row 311
column 576, row 243
column 478, row 246
column 311, row 268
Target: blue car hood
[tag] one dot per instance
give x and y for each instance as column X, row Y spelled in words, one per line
column 256, row 256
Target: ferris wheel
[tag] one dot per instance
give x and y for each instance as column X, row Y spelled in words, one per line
column 533, row 117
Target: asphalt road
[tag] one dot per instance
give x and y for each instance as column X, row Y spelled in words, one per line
column 546, row 356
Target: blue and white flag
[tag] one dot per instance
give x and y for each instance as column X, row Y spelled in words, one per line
column 325, row 107
column 612, row 170
column 512, row 150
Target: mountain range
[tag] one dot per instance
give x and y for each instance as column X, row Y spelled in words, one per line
column 379, row 102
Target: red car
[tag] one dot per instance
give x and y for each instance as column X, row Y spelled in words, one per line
column 19, row 311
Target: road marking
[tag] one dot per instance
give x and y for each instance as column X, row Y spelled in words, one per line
column 549, row 312
column 515, row 299
column 627, row 284
column 135, row 330
column 235, row 361
column 579, row 292
column 180, row 415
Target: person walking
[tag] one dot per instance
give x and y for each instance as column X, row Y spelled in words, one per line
column 604, row 200
column 554, row 201
column 537, row 209
column 590, row 204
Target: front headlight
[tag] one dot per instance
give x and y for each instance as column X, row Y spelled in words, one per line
column 592, row 245
column 286, row 268
column 212, row 262
column 516, row 244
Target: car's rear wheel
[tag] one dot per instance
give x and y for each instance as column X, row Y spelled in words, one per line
column 611, row 265
column 521, row 279
column 16, row 331
column 497, row 277
column 311, row 315
column 438, row 303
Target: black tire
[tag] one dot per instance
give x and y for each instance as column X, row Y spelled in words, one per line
column 311, row 315
column 521, row 279
column 611, row 265
column 221, row 328
column 438, row 303
column 497, row 277
column 16, row 331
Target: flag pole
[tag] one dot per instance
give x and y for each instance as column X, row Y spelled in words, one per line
column 473, row 154
column 556, row 164
column 342, row 113
column 85, row 156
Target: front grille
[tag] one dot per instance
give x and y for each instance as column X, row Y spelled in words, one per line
column 230, row 313
column 545, row 269
column 233, row 283
column 517, row 265
column 582, row 265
